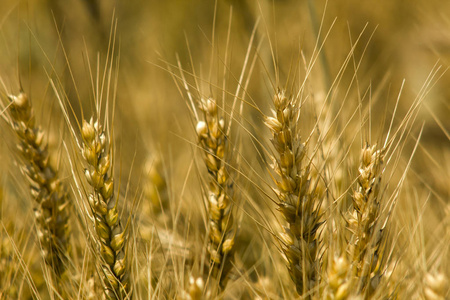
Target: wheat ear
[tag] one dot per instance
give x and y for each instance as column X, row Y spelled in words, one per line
column 213, row 140
column 8, row 267
column 298, row 201
column 110, row 233
column 435, row 286
column 155, row 189
column 52, row 210
column 195, row 289
column 337, row 279
column 367, row 238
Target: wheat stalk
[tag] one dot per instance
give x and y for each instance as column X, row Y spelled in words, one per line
column 298, row 201
column 367, row 237
column 213, row 140
column 110, row 233
column 50, row 194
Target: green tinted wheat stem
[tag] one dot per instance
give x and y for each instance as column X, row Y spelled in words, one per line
column 213, row 140
column 52, row 210
column 367, row 238
column 110, row 233
column 298, row 201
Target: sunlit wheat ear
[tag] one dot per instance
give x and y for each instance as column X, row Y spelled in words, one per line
column 298, row 201
column 337, row 279
column 365, row 248
column 222, row 231
column 195, row 290
column 91, row 292
column 50, row 194
column 435, row 286
column 111, row 237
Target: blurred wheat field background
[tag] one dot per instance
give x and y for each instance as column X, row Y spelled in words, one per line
column 224, row 150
